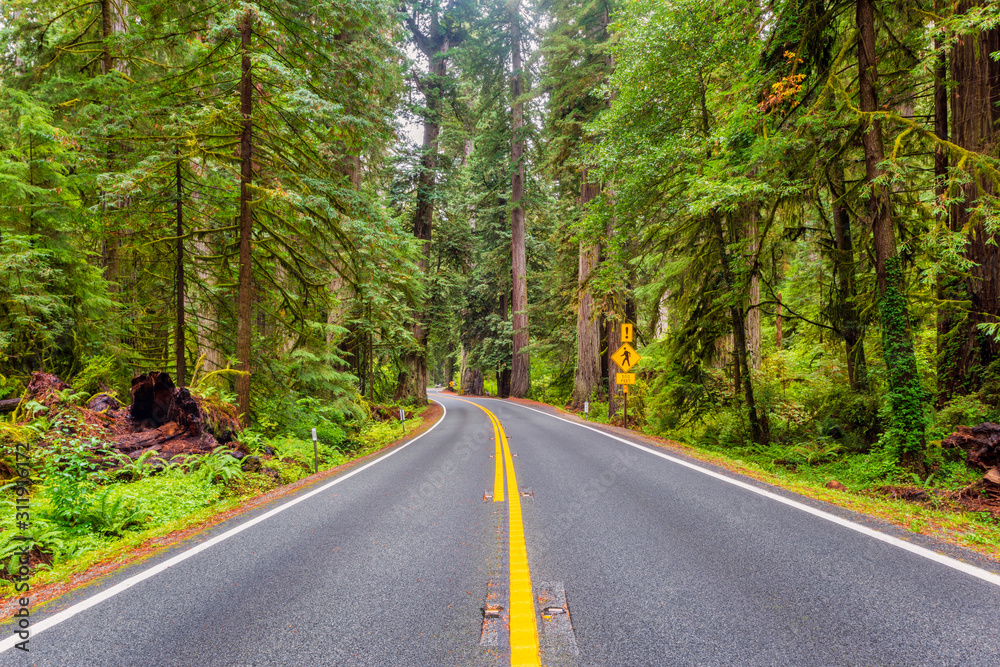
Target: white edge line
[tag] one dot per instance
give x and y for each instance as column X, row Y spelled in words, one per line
column 66, row 614
column 947, row 561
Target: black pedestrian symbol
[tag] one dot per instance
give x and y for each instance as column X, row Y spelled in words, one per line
column 625, row 358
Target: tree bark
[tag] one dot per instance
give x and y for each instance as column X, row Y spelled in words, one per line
column 965, row 351
column 520, row 378
column 778, row 323
column 435, row 46
column 107, row 61
column 849, row 323
column 503, row 373
column 662, row 327
column 950, row 376
column 905, row 394
column 588, row 334
column 613, row 327
column 245, row 294
column 759, row 430
column 180, row 347
column 110, row 244
column 753, row 311
column 879, row 206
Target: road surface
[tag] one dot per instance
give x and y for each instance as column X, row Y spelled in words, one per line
column 507, row 535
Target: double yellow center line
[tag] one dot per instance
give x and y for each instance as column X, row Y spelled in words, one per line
column 523, row 622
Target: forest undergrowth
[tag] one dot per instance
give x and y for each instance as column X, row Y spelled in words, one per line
column 90, row 504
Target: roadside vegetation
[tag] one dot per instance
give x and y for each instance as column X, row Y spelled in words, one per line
column 90, row 503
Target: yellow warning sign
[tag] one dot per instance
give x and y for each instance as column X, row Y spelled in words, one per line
column 626, row 357
column 625, row 378
column 628, row 331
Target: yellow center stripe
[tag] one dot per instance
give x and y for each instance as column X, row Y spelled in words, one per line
column 498, row 458
column 523, row 621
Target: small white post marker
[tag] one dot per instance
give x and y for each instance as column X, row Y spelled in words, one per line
column 315, row 452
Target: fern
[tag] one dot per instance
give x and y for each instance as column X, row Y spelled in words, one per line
column 113, row 519
column 217, row 467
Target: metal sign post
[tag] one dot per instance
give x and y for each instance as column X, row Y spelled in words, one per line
column 625, row 388
column 402, row 419
column 315, row 453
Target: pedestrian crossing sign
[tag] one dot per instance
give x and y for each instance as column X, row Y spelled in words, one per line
column 626, row 357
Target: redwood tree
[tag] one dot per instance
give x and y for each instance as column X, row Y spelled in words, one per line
column 245, row 293
column 520, row 379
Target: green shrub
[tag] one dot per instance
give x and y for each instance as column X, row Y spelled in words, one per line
column 852, row 416
column 174, row 495
column 961, row 411
column 69, row 479
column 102, row 373
column 301, row 450
column 12, row 435
column 726, row 429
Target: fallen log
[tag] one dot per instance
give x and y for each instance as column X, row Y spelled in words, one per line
column 9, row 404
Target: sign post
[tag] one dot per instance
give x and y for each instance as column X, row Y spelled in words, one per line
column 626, row 357
column 402, row 419
column 315, row 452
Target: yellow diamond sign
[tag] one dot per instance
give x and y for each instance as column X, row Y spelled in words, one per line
column 626, row 357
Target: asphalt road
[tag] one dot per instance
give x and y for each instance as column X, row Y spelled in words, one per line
column 633, row 559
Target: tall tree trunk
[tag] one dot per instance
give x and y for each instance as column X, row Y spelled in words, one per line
column 974, row 114
column 588, row 334
column 245, row 294
column 435, row 47
column 777, row 323
column 180, row 361
column 951, row 343
column 753, row 311
column 112, row 22
column 107, row 23
column 905, row 393
column 503, row 374
column 370, row 358
column 110, row 243
column 520, row 378
column 849, row 323
column 759, row 429
column 662, row 327
column 423, row 219
column 737, row 366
